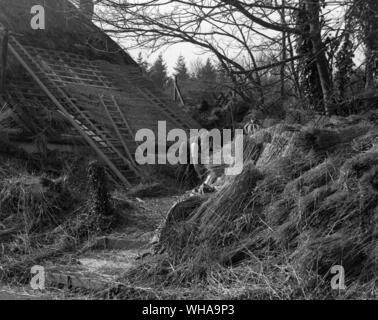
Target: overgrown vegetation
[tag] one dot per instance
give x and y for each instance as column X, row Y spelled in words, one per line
column 45, row 218
column 307, row 201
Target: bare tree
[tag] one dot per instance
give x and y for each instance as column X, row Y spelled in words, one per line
column 235, row 31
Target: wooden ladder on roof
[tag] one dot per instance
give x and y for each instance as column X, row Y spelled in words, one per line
column 120, row 124
column 120, row 168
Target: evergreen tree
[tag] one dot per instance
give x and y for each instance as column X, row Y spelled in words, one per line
column 158, row 72
column 208, row 73
column 222, row 77
column 142, row 63
column 181, row 71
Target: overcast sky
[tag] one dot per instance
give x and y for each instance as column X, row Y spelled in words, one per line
column 189, row 51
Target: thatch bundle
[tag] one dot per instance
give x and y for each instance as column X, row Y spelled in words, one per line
column 225, row 205
column 321, row 140
column 279, row 146
column 252, row 149
column 214, row 223
column 314, row 178
column 357, row 171
column 340, row 228
column 317, row 139
column 366, row 142
column 173, row 230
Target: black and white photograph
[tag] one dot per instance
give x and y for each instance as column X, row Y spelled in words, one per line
column 188, row 157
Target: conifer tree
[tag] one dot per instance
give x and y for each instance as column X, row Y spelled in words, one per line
column 158, row 72
column 208, row 73
column 181, row 71
column 142, row 63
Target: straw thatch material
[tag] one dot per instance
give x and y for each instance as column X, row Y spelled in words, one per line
column 321, row 140
column 214, row 223
column 281, row 142
column 366, row 142
column 173, row 229
column 316, row 177
column 301, row 210
column 356, row 170
column 317, row 139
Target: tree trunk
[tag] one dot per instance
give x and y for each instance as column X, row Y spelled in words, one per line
column 284, row 52
column 324, row 74
column 258, row 82
column 294, row 69
column 4, row 55
column 369, row 70
column 318, row 50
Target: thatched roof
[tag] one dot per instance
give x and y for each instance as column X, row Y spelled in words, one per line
column 66, row 29
column 73, row 76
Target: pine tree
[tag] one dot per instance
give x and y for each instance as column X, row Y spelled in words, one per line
column 222, row 77
column 208, row 73
column 181, row 71
column 142, row 63
column 158, row 72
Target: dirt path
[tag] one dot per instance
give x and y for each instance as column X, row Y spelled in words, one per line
column 112, row 256
column 108, row 257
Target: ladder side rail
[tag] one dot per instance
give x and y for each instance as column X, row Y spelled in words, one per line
column 123, row 117
column 122, row 140
column 94, row 129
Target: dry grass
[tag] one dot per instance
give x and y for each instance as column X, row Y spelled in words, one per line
column 42, row 219
column 276, row 231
